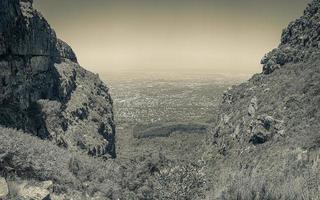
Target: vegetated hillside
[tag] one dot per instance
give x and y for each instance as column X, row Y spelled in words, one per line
column 263, row 145
column 265, row 142
column 46, row 95
column 27, row 159
column 74, row 175
column 44, row 91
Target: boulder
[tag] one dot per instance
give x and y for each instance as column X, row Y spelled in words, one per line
column 253, row 106
column 264, row 128
column 48, row 185
column 259, row 138
column 4, row 191
column 31, row 190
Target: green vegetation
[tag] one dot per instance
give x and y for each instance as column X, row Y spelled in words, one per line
column 164, row 130
column 26, row 157
column 78, row 176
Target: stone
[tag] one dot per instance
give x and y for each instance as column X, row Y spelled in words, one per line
column 236, row 131
column 258, row 138
column 253, row 106
column 48, row 185
column 264, row 128
column 226, row 119
column 4, row 191
column 282, row 133
column 266, row 90
column 268, row 122
column 32, row 190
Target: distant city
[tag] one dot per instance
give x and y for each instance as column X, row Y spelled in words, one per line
column 151, row 100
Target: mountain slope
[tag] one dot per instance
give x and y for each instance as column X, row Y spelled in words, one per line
column 43, row 89
column 265, row 141
column 74, row 175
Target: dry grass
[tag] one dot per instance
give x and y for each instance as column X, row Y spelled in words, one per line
column 26, row 157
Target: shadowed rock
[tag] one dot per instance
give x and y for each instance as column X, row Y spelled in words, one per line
column 43, row 89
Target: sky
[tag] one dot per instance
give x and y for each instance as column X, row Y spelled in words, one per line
column 178, row 36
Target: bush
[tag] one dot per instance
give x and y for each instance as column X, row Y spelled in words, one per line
column 166, row 130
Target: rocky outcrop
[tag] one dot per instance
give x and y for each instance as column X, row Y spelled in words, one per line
column 264, row 129
column 299, row 41
column 35, row 168
column 31, row 189
column 43, row 89
column 268, row 127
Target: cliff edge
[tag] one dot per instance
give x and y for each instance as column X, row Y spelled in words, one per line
column 43, row 89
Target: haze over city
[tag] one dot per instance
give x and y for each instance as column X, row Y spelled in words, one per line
column 203, row 36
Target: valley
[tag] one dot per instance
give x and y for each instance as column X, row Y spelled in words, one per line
column 169, row 106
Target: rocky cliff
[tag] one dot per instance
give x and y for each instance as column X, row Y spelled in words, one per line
column 299, row 41
column 265, row 140
column 43, row 89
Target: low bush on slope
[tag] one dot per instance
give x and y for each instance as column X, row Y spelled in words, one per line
column 78, row 176
column 265, row 143
column 27, row 157
column 166, row 129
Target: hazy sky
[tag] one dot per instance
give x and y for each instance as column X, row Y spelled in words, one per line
column 219, row 36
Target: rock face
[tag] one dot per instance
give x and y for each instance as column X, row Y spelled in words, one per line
column 267, row 131
column 43, row 89
column 299, row 41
